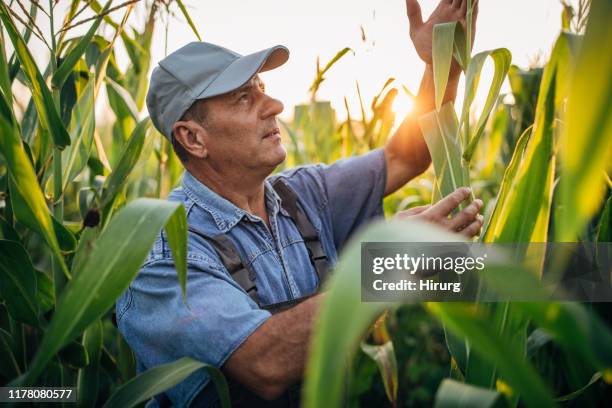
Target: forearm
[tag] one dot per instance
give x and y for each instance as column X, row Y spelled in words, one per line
column 274, row 356
column 406, row 152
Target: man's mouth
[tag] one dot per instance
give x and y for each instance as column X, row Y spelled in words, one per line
column 273, row 132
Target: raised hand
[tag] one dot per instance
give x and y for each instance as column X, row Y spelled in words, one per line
column 421, row 32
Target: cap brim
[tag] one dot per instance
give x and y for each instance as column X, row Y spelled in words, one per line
column 243, row 69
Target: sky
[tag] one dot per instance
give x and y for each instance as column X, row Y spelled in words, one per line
column 320, row 28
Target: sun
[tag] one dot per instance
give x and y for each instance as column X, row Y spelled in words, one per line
column 403, row 105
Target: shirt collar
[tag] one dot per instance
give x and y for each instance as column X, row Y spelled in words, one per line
column 225, row 214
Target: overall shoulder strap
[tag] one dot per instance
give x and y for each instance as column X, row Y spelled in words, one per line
column 231, row 260
column 308, row 232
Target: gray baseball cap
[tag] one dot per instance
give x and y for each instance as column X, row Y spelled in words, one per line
column 202, row 70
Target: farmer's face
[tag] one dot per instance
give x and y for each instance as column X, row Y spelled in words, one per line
column 242, row 129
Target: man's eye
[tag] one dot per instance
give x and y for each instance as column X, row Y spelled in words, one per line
column 243, row 96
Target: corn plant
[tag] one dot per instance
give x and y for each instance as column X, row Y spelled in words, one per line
column 493, row 346
column 72, row 238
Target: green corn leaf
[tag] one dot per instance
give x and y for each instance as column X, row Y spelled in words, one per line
column 27, row 199
column 127, row 160
column 459, row 350
column 121, row 101
column 384, row 356
column 440, row 130
column 24, row 207
column 27, row 34
column 488, row 231
column 177, row 233
column 460, row 52
column 18, row 282
column 160, row 378
column 525, row 209
column 586, row 143
column 501, row 58
column 574, row 328
column 321, row 72
column 89, row 376
column 443, row 43
column 188, row 18
column 86, row 245
column 336, row 335
column 344, row 318
column 9, row 367
column 5, row 80
column 45, row 292
column 70, row 60
column 74, row 158
column 374, row 105
column 474, row 324
column 65, row 237
column 455, row 394
column 113, row 263
column 47, row 112
column 136, row 76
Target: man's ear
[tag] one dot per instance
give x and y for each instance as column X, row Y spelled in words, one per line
column 191, row 136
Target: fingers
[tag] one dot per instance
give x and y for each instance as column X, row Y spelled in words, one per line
column 418, row 210
column 456, row 3
column 413, row 9
column 411, row 211
column 446, row 205
column 466, row 216
column 474, row 228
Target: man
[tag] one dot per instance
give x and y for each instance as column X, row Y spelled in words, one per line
column 248, row 249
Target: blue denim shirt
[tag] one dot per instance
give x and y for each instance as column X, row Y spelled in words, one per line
column 151, row 315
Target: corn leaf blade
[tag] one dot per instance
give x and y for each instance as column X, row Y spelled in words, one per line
column 160, row 378
column 526, row 208
column 47, row 112
column 126, row 162
column 27, row 199
column 74, row 157
column 69, row 62
column 443, row 43
column 188, row 18
column 113, row 263
column 586, row 143
column 502, row 59
column 18, row 282
column 440, row 130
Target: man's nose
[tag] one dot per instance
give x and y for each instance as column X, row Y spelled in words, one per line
column 272, row 107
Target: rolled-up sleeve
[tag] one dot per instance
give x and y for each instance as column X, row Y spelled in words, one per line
column 160, row 328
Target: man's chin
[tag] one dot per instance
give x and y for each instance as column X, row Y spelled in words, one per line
column 278, row 155
column 271, row 159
